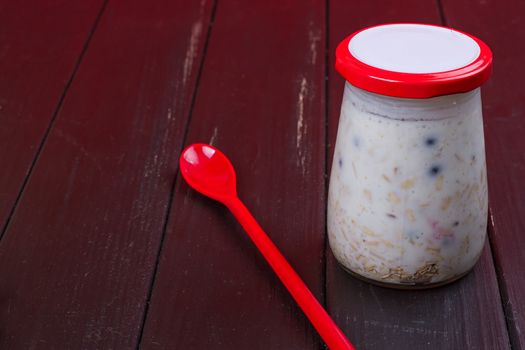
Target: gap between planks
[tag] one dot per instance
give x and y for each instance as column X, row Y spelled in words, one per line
column 53, row 119
column 192, row 49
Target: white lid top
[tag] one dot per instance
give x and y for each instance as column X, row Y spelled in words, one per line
column 414, row 48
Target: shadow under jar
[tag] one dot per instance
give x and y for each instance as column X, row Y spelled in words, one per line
column 407, row 203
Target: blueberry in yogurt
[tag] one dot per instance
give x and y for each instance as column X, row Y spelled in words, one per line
column 430, row 141
column 434, row 170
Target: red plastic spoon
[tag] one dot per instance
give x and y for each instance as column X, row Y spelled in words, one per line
column 210, row 172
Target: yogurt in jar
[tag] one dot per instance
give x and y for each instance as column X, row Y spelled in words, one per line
column 408, row 191
column 407, row 201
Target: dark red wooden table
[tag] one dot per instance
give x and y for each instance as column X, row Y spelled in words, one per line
column 104, row 247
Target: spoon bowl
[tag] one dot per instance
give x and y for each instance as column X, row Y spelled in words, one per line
column 208, row 171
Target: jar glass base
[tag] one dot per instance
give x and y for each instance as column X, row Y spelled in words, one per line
column 406, row 286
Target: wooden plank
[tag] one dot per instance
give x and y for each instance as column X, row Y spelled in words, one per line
column 464, row 315
column 261, row 102
column 77, row 263
column 500, row 24
column 40, row 43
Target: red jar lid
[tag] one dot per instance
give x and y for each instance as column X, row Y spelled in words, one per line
column 413, row 60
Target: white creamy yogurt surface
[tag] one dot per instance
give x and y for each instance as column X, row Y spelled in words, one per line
column 408, row 192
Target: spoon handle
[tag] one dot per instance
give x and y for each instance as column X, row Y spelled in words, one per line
column 328, row 330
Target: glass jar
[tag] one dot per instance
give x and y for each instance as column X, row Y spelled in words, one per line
column 407, row 203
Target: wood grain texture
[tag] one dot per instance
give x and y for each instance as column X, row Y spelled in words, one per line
column 464, row 315
column 77, row 261
column 500, row 24
column 40, row 43
column 260, row 101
